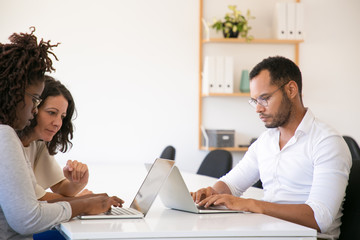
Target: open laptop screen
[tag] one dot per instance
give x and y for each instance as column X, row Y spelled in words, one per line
column 152, row 184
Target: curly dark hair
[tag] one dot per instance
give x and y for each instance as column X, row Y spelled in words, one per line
column 23, row 62
column 61, row 140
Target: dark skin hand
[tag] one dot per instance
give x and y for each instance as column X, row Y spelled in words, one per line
column 91, row 204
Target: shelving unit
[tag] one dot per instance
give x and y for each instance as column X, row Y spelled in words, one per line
column 202, row 42
column 255, row 41
column 259, row 40
column 239, row 94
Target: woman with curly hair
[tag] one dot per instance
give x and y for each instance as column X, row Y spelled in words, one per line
column 23, row 63
column 50, row 131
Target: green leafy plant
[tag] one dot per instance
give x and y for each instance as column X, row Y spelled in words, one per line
column 234, row 24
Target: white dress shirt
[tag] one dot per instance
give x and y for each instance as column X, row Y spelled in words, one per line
column 312, row 168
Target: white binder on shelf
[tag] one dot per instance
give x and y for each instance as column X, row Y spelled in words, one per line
column 229, row 75
column 280, row 20
column 208, row 75
column 219, row 79
column 299, row 21
column 205, row 77
column 291, row 19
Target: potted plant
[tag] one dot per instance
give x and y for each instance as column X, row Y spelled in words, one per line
column 234, row 24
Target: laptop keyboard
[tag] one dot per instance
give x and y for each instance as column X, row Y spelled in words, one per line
column 122, row 211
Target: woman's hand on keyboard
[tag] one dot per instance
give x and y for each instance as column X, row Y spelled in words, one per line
column 94, row 204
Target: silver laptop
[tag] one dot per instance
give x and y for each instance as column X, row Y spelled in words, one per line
column 175, row 194
column 154, row 180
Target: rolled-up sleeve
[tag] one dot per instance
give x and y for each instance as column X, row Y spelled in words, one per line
column 244, row 174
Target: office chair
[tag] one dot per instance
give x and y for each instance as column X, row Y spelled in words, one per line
column 353, row 146
column 350, row 227
column 168, row 153
column 216, row 163
column 258, row 184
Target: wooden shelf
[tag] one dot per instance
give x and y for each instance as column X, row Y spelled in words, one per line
column 254, row 41
column 202, row 42
column 238, row 94
column 231, row 149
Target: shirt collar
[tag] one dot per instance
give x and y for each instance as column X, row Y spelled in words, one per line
column 306, row 123
column 303, row 128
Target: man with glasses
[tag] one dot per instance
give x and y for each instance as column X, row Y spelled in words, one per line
column 303, row 163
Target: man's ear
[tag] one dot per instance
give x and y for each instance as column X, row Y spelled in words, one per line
column 292, row 89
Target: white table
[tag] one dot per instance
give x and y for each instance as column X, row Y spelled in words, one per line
column 163, row 223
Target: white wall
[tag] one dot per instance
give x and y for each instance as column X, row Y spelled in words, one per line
column 330, row 63
column 132, row 67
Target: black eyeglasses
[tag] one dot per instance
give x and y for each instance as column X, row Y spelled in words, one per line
column 35, row 99
column 263, row 100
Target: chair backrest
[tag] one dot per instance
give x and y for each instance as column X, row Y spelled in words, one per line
column 353, row 146
column 258, row 184
column 216, row 163
column 350, row 227
column 168, row 153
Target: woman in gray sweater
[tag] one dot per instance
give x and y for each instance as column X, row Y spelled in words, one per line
column 23, row 63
